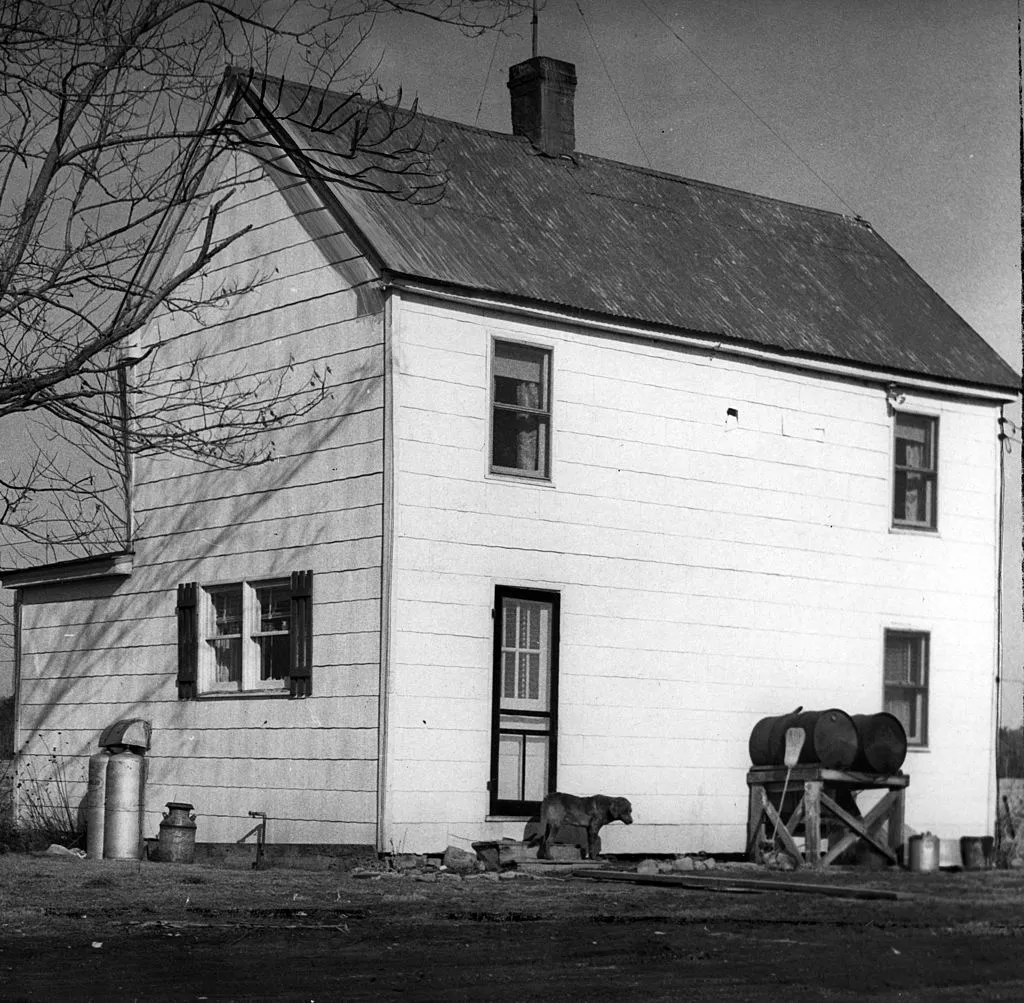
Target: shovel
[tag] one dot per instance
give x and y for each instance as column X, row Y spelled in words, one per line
column 794, row 744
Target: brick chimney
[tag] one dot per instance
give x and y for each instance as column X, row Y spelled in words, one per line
column 542, row 91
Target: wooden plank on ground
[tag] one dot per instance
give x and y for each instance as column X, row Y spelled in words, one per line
column 717, row 883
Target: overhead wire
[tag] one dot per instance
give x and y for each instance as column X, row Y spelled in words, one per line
column 739, row 97
column 600, row 56
column 487, row 77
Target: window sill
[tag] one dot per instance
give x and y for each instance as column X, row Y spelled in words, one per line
column 247, row 695
column 915, row 530
column 914, row 749
column 521, row 479
column 508, row 818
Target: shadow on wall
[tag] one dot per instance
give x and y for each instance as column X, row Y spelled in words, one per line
column 59, row 768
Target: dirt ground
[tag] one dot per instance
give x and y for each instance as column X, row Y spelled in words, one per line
column 124, row 931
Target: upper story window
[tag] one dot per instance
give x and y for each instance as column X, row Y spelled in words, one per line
column 906, row 682
column 915, row 472
column 521, row 410
column 250, row 636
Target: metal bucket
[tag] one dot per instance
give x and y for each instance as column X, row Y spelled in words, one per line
column 882, row 743
column 976, row 852
column 122, row 815
column 177, row 840
column 830, row 739
column 923, row 852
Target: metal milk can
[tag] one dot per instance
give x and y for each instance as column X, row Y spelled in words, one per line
column 177, row 840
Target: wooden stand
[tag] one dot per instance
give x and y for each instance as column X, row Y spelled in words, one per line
column 818, row 791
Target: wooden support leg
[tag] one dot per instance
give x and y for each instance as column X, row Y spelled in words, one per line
column 896, row 823
column 755, row 822
column 812, row 822
column 780, row 829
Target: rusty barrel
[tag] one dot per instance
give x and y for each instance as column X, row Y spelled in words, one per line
column 882, row 743
column 830, row 738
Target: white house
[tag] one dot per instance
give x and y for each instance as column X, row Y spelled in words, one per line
column 615, row 464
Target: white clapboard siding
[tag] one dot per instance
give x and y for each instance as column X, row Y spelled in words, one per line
column 96, row 652
column 711, row 572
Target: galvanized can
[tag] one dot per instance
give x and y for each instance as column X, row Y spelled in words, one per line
column 923, row 852
column 96, row 804
column 177, row 841
column 122, row 812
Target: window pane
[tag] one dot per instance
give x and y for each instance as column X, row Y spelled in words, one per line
column 899, row 705
column 520, row 441
column 913, row 497
column 227, row 653
column 273, row 655
column 226, row 604
column 508, row 673
column 510, row 767
column 897, row 660
column 519, row 376
column 274, row 605
column 536, row 781
column 914, row 441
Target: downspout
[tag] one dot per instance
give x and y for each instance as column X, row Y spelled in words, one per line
column 386, row 562
column 16, row 723
column 1002, row 443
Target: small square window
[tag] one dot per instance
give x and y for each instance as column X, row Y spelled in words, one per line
column 915, row 472
column 521, row 410
column 906, row 682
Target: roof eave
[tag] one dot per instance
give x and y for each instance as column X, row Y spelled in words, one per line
column 701, row 339
column 118, row 564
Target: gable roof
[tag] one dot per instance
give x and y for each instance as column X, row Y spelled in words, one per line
column 611, row 240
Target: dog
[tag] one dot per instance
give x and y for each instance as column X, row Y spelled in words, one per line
column 593, row 813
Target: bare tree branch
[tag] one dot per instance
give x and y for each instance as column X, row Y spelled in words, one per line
column 119, row 131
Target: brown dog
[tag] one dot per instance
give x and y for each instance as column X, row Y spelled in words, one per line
column 594, row 812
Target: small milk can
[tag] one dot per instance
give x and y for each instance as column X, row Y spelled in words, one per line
column 177, row 842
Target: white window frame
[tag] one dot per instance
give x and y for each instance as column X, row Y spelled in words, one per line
column 917, row 691
column 930, row 473
column 250, row 681
column 545, row 413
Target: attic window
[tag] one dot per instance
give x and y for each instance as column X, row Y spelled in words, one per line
column 521, row 410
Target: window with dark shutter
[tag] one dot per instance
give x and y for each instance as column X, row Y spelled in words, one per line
column 246, row 637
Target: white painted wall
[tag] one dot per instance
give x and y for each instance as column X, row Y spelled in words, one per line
column 98, row 652
column 709, row 576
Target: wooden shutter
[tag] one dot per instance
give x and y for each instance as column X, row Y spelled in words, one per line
column 300, row 667
column 188, row 640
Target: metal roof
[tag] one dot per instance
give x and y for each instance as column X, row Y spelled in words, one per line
column 610, row 239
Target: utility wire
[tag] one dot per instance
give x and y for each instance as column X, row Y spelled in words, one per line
column 487, row 77
column 593, row 41
column 732, row 90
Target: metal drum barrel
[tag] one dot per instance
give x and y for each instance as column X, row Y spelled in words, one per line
column 767, row 744
column 882, row 742
column 123, row 815
column 830, row 738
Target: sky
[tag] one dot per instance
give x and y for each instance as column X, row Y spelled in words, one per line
column 904, row 112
